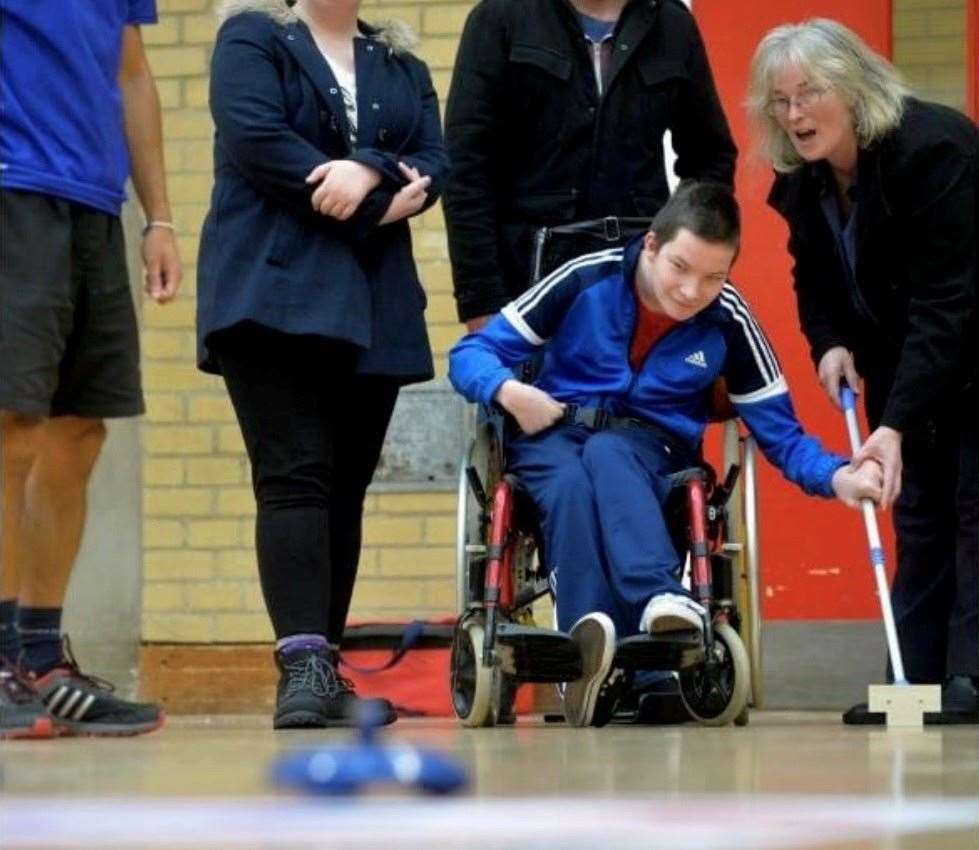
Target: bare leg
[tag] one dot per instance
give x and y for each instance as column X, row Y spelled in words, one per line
column 54, row 516
column 20, row 442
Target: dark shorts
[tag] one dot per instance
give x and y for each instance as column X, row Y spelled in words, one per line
column 69, row 343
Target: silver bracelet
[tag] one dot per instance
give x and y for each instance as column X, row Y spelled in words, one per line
column 166, row 225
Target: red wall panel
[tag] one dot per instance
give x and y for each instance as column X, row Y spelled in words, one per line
column 814, row 558
column 972, row 61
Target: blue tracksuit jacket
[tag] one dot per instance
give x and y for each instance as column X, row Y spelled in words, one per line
column 585, row 312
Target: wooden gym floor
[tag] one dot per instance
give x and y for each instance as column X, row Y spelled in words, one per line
column 789, row 780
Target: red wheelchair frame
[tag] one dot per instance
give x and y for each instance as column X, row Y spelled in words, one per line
column 496, row 647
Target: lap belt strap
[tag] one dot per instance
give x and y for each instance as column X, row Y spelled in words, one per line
column 599, row 420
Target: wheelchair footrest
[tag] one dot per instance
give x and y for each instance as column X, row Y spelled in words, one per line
column 531, row 654
column 667, row 651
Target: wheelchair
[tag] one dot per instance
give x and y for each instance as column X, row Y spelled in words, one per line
column 501, row 572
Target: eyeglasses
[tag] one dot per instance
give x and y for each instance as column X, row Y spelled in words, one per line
column 779, row 107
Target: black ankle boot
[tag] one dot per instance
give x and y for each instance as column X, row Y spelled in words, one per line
column 312, row 694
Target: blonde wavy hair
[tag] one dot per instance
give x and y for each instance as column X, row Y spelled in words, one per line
column 396, row 35
column 832, row 57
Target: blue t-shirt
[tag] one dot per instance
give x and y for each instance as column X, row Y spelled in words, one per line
column 61, row 125
column 596, row 30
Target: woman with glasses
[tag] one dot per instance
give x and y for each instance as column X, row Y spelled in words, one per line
column 879, row 190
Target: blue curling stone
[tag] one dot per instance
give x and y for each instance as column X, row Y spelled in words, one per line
column 349, row 769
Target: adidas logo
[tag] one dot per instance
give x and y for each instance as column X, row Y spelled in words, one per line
column 696, row 359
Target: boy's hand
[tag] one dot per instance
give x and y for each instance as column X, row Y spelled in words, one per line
column 533, row 409
column 884, row 447
column 855, row 483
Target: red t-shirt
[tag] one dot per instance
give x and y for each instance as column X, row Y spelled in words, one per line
column 650, row 328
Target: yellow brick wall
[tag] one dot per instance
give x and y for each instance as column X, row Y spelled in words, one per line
column 198, row 512
column 930, row 48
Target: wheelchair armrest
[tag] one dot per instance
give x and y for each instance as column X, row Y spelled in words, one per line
column 722, row 494
column 680, row 478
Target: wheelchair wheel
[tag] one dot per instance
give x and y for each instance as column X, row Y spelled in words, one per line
column 475, row 688
column 717, row 694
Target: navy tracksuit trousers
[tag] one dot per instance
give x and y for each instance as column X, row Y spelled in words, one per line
column 600, row 497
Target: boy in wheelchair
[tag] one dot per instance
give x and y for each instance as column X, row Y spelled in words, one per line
column 636, row 336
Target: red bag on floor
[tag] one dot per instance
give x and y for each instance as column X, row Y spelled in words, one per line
column 407, row 663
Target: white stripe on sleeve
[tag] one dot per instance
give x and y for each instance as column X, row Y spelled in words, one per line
column 532, row 297
column 519, row 325
column 780, row 387
column 764, row 356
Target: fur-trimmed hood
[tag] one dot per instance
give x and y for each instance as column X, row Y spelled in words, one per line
column 396, row 35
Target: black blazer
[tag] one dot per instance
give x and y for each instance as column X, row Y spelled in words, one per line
column 265, row 256
column 911, row 317
column 532, row 144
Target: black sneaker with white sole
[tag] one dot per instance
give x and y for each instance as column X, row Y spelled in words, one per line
column 594, row 634
column 313, row 695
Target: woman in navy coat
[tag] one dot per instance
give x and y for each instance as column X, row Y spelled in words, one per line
column 309, row 305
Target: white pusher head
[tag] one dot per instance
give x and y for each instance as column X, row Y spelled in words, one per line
column 904, row 705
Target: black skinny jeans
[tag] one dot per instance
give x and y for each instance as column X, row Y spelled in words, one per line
column 313, row 430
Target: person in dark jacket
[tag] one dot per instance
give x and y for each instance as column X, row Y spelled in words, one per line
column 879, row 190
column 556, row 113
column 327, row 140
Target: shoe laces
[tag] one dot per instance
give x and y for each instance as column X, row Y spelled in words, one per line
column 344, row 685
column 69, row 663
column 15, row 686
column 313, row 672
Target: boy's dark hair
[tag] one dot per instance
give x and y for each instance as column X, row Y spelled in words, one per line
column 708, row 210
